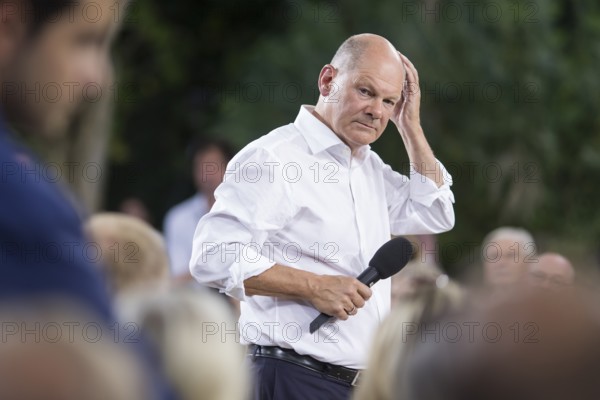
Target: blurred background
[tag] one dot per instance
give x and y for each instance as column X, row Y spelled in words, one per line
column 510, row 103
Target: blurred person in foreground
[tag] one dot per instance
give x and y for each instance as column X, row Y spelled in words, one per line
column 46, row 43
column 303, row 209
column 429, row 299
column 133, row 254
column 422, row 269
column 197, row 341
column 551, row 271
column 506, row 253
column 53, row 351
column 534, row 345
column 209, row 160
column 49, row 45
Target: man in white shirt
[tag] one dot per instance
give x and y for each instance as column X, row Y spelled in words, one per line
column 209, row 158
column 303, row 209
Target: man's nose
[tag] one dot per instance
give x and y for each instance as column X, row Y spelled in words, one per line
column 94, row 71
column 375, row 109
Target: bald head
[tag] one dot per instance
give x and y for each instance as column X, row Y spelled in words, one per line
column 365, row 45
column 552, row 271
column 506, row 252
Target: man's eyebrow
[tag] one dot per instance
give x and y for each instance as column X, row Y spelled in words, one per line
column 366, row 81
column 363, row 80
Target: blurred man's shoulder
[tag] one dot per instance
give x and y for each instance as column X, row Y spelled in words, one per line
column 180, row 212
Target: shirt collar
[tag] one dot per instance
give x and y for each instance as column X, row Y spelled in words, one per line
column 318, row 135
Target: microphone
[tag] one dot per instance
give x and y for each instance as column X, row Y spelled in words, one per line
column 388, row 260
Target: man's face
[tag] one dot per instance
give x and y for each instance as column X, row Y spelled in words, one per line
column 60, row 68
column 209, row 168
column 551, row 272
column 505, row 261
column 363, row 100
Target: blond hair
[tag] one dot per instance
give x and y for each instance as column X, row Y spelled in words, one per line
column 197, row 339
column 132, row 252
column 392, row 345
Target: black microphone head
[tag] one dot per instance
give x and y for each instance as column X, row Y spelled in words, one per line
column 392, row 257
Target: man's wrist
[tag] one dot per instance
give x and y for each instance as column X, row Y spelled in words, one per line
column 312, row 286
column 414, row 131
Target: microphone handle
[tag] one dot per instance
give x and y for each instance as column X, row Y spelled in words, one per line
column 318, row 322
column 369, row 277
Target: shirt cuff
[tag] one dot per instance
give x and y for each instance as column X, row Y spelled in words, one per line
column 425, row 191
column 249, row 264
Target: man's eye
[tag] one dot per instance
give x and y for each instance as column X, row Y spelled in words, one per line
column 364, row 91
column 390, row 102
column 90, row 39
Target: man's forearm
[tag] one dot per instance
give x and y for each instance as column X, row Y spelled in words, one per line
column 421, row 156
column 281, row 281
column 332, row 294
column 408, row 121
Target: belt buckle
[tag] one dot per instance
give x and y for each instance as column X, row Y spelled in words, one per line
column 355, row 380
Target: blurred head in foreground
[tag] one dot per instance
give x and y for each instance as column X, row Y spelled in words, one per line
column 133, row 254
column 421, row 271
column 506, row 252
column 52, row 353
column 551, row 271
column 538, row 345
column 197, row 341
column 395, row 337
column 54, row 59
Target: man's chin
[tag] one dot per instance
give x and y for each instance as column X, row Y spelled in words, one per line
column 365, row 138
column 54, row 128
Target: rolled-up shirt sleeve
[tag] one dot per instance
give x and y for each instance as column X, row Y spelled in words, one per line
column 230, row 244
column 417, row 205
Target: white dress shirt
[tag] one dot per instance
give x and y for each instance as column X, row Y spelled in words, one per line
column 179, row 227
column 297, row 197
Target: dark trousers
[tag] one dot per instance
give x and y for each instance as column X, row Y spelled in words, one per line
column 282, row 380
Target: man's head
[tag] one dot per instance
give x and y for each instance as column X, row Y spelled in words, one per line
column 133, row 255
column 360, row 89
column 63, row 363
column 54, row 57
column 554, row 353
column 506, row 251
column 209, row 160
column 551, row 271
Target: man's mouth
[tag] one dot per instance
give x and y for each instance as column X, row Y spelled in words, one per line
column 366, row 125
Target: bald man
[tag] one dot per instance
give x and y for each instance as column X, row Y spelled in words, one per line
column 506, row 252
column 551, row 271
column 303, row 209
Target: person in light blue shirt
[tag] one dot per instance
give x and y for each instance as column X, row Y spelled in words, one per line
column 209, row 158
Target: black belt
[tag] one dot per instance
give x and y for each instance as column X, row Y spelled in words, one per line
column 343, row 374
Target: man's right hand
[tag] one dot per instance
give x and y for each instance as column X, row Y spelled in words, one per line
column 336, row 295
column 339, row 296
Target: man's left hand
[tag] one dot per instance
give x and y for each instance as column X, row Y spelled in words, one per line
column 406, row 113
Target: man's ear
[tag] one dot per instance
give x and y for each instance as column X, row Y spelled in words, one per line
column 328, row 73
column 13, row 29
